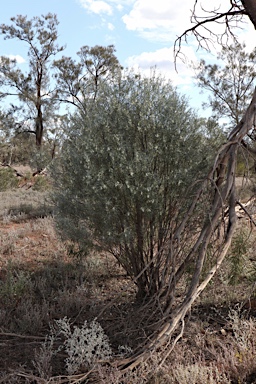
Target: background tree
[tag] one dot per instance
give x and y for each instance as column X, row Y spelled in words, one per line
column 40, row 91
column 127, row 174
column 230, row 83
column 33, row 88
column 6, row 125
column 79, row 81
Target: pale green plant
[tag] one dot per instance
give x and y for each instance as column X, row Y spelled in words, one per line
column 198, row 374
column 30, row 316
column 8, row 180
column 85, row 345
column 243, row 329
column 237, row 256
column 15, row 285
column 8, row 243
column 236, row 352
column 41, row 183
column 43, row 357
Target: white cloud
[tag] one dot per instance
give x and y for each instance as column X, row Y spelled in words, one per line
column 158, row 19
column 122, row 3
column 18, row 58
column 164, row 20
column 105, row 6
column 247, row 36
column 163, row 60
column 111, row 27
column 97, row 6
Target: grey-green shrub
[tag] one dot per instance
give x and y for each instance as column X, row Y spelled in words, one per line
column 8, row 179
column 127, row 171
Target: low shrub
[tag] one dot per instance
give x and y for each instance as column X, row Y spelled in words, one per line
column 8, row 179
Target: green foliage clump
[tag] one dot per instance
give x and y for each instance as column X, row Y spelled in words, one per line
column 238, row 252
column 41, row 183
column 127, row 171
column 231, row 82
column 8, row 179
column 198, row 374
column 15, row 286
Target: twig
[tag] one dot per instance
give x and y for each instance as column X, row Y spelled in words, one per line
column 21, row 336
column 174, row 342
column 247, row 213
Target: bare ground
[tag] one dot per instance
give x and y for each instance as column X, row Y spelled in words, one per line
column 41, row 282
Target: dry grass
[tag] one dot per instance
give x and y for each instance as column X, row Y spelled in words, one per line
column 40, row 282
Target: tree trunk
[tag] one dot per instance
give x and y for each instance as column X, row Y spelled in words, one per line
column 250, row 8
column 39, row 127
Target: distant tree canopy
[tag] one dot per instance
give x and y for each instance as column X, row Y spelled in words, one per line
column 33, row 88
column 33, row 97
column 230, row 83
column 78, row 82
column 127, row 172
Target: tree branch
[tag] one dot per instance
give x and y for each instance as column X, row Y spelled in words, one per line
column 226, row 16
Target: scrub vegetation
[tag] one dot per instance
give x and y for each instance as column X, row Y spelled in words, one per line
column 127, row 227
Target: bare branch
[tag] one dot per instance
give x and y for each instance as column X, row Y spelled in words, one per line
column 246, row 212
column 234, row 14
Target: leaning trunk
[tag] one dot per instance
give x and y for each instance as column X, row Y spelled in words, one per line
column 250, row 8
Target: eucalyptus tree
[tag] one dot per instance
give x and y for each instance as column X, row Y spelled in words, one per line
column 33, row 89
column 79, row 81
column 33, row 96
column 230, row 82
column 126, row 175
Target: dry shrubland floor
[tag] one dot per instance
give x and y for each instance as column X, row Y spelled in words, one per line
column 41, row 282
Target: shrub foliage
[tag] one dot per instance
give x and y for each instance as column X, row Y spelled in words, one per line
column 127, row 173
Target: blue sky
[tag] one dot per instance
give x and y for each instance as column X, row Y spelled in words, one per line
column 143, row 32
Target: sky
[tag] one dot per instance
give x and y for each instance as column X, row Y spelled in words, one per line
column 142, row 31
